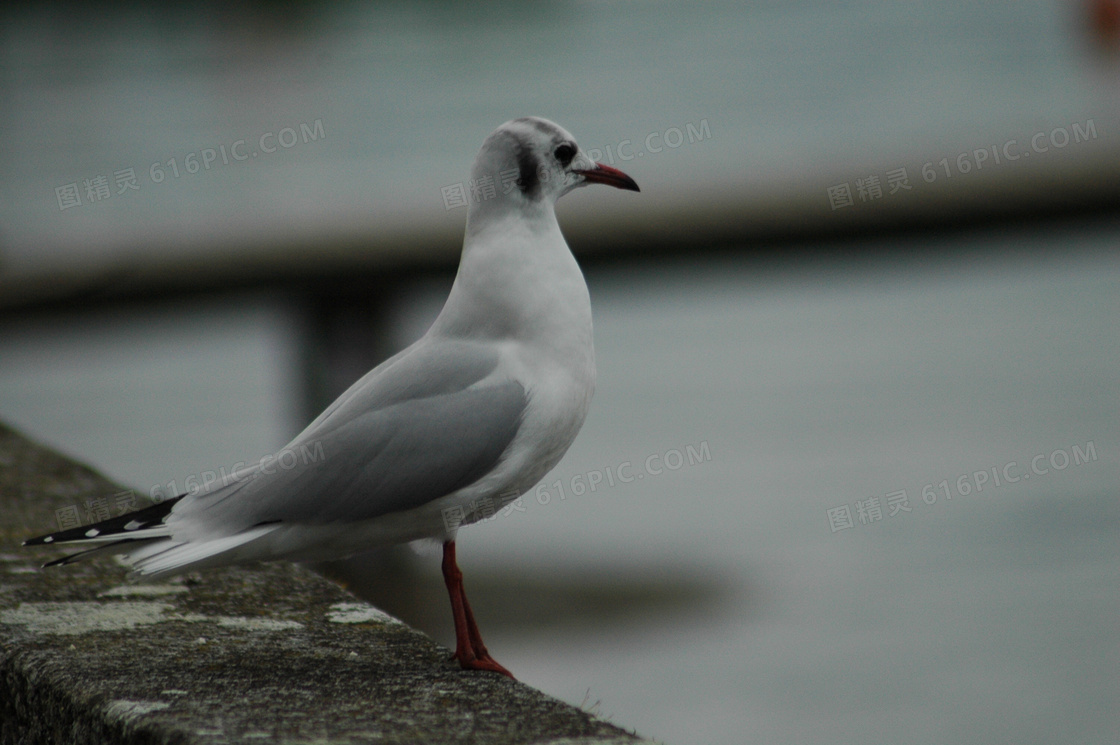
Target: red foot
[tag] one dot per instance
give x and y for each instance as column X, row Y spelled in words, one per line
column 482, row 663
column 469, row 649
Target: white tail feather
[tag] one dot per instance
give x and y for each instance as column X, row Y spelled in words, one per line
column 170, row 556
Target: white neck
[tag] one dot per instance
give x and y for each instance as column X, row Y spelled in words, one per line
column 518, row 280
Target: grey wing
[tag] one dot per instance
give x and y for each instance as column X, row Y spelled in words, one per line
column 421, row 371
column 405, row 435
column 400, row 457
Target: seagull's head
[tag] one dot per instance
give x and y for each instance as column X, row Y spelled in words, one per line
column 531, row 161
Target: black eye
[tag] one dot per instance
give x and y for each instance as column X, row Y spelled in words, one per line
column 564, row 154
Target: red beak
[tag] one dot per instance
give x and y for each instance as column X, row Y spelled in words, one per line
column 600, row 174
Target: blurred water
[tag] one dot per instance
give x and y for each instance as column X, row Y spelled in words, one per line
column 793, row 97
column 990, row 617
column 987, row 617
column 160, row 394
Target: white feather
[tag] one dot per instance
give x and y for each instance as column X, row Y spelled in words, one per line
column 169, row 557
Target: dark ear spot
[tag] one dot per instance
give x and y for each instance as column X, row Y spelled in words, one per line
column 527, row 180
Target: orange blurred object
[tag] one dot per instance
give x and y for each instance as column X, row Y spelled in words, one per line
column 1104, row 18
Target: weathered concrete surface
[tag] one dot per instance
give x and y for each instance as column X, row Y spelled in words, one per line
column 265, row 654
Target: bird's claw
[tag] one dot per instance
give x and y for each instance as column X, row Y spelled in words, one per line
column 480, row 662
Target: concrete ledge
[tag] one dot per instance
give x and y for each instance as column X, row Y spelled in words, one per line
column 265, row 654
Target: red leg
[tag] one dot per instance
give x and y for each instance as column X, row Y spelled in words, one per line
column 469, row 649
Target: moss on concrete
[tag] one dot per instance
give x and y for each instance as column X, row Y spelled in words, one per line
column 264, row 654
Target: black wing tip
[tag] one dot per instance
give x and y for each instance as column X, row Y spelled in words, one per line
column 147, row 517
column 62, row 536
column 71, row 558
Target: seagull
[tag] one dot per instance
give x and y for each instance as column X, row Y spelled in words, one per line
column 475, row 412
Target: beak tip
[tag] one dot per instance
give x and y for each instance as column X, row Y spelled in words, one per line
column 601, row 174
